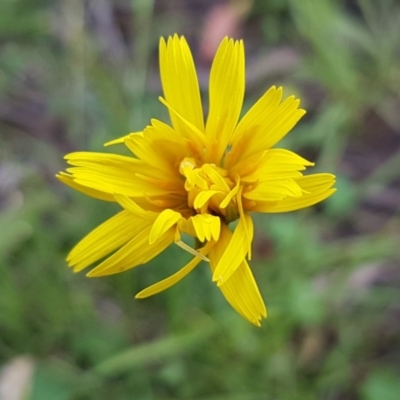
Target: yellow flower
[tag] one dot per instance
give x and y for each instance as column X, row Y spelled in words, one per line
column 196, row 177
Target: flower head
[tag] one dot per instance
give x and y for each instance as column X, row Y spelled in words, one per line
column 196, row 177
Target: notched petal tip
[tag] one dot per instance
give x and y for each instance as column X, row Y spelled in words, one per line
column 172, row 40
column 256, row 322
column 175, row 37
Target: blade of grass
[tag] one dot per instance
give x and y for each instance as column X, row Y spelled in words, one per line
column 165, row 348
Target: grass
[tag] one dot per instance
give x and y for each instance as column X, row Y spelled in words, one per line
column 329, row 274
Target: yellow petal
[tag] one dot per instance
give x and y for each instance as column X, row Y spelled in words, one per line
column 316, row 182
column 107, row 237
column 230, row 196
column 248, row 222
column 112, row 173
column 179, row 82
column 193, row 175
column 165, row 220
column 275, row 164
column 227, row 85
column 264, row 107
column 243, row 295
column 68, row 180
column 274, row 190
column 120, row 140
column 159, row 148
column 190, row 250
column 207, row 226
column 240, row 290
column 215, row 177
column 203, row 197
column 246, row 167
column 137, row 251
column 235, row 251
column 264, row 127
column 280, row 123
column 175, row 278
column 316, row 188
column 187, row 129
column 134, row 208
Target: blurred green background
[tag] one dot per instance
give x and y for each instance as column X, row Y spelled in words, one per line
column 75, row 74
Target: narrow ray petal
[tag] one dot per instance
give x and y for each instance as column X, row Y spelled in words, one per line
column 112, row 173
column 159, row 148
column 137, row 251
column 207, row 226
column 235, row 252
column 180, row 84
column 230, row 196
column 271, row 127
column 107, row 237
column 243, row 295
column 190, row 250
column 274, row 190
column 274, row 164
column 188, row 130
column 112, row 165
column 248, row 223
column 175, row 278
column 68, row 180
column 165, row 220
column 203, row 197
column 121, row 140
column 227, row 84
column 240, row 290
column 265, row 106
column 216, row 178
column 316, row 188
column 134, row 208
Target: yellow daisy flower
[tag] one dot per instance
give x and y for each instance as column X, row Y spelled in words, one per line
column 196, row 177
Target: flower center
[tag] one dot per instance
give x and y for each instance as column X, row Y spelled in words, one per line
column 210, row 189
